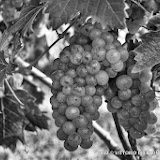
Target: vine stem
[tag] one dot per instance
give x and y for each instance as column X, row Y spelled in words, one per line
column 103, row 134
column 60, row 36
column 13, row 93
column 122, row 137
column 3, row 117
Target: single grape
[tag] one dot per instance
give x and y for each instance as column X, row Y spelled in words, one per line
column 137, row 100
column 135, row 134
column 63, row 66
column 98, row 42
column 68, row 147
column 105, row 63
column 123, row 52
column 91, row 80
column 145, row 76
column 152, row 119
column 67, row 90
column 74, row 139
column 94, row 33
column 118, row 66
column 97, row 100
column 151, row 129
column 108, row 37
column 149, row 96
column 98, row 53
column 135, row 111
column 144, row 115
column 133, row 120
column 65, row 56
column 102, row 77
column 127, row 105
column 124, row 82
column 72, row 112
column 73, row 100
column 60, row 120
column 80, row 81
column 111, row 108
column 145, row 106
column 111, row 73
column 100, row 90
column 80, row 121
column 124, row 94
column 116, row 102
column 109, row 93
column 144, row 87
column 116, row 43
column 87, row 100
column 92, row 109
column 78, row 90
column 87, row 28
column 86, row 143
column 123, row 114
column 61, row 135
column 56, row 85
column 71, row 73
column 113, row 56
column 153, row 105
column 82, row 40
column 95, row 116
column 62, row 108
column 84, row 132
column 109, row 47
column 88, row 116
column 61, row 97
column 90, row 90
column 141, row 125
column 66, row 81
column 57, row 75
column 76, row 58
column 68, row 127
column 81, row 71
column 75, row 49
column 86, row 57
column 93, row 67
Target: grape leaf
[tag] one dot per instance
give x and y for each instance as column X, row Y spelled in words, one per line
column 23, row 23
column 108, row 12
column 148, row 52
column 154, row 23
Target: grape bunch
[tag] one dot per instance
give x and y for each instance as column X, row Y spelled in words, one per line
column 134, row 101
column 80, row 77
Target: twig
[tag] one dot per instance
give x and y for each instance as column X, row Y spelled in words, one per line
column 103, row 134
column 3, row 117
column 138, row 4
column 60, row 36
column 13, row 93
column 133, row 144
column 121, row 136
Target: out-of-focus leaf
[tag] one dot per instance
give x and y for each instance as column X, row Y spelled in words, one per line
column 11, row 123
column 148, row 53
column 108, row 12
column 23, row 23
column 154, row 23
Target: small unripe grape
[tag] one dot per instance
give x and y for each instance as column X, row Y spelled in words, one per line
column 97, row 100
column 90, row 90
column 135, row 111
column 80, row 121
column 124, row 94
column 124, row 82
column 81, row 71
column 151, row 129
column 91, row 80
column 65, row 56
column 152, row 119
column 61, row 135
column 118, row 66
column 116, row 43
column 92, row 109
column 68, row 127
column 66, row 81
column 98, row 53
column 102, row 77
column 111, row 73
column 67, row 90
column 86, row 144
column 61, row 97
column 145, row 106
column 94, row 33
column 105, row 63
column 98, row 42
column 153, row 105
column 95, row 116
column 60, row 120
column 68, row 147
column 111, row 108
column 108, row 37
column 86, row 29
column 71, row 73
column 136, row 100
column 135, row 134
column 78, row 90
column 63, row 67
column 72, row 112
column 73, row 100
column 99, row 90
column 87, row 100
column 86, row 57
column 74, row 139
column 149, row 96
column 113, row 56
column 93, row 67
column 116, row 102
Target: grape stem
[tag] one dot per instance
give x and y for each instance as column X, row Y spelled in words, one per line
column 103, row 134
column 122, row 137
column 13, row 93
column 60, row 36
column 133, row 144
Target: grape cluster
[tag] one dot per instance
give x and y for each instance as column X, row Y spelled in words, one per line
column 134, row 101
column 80, row 76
